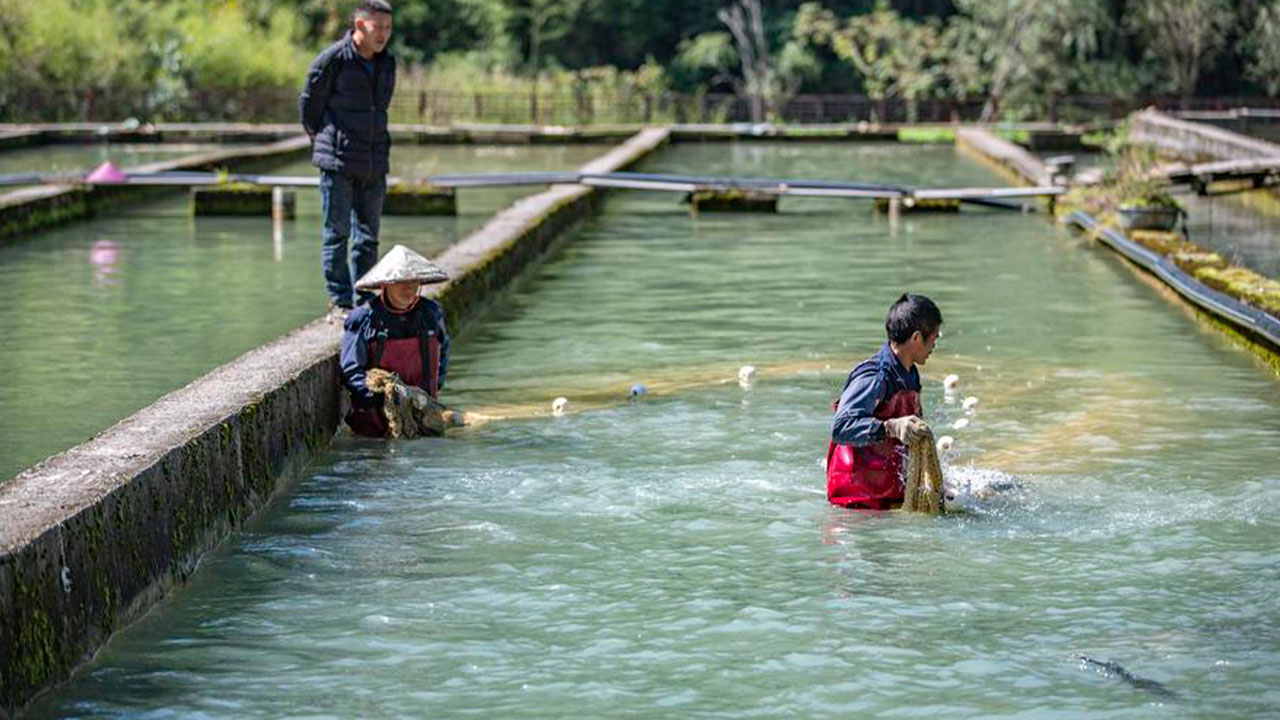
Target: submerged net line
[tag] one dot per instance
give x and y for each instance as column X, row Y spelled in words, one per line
column 410, row 413
column 924, row 477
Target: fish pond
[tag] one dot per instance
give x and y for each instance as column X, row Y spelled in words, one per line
column 674, row 556
column 103, row 316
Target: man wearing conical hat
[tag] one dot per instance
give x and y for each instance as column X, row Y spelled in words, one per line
column 399, row 331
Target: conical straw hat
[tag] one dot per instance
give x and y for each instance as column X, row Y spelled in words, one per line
column 401, row 265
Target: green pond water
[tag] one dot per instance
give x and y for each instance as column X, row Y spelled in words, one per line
column 102, row 317
column 87, row 156
column 676, row 557
column 1244, row 229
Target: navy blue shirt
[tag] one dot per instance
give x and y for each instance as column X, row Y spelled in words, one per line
column 870, row 383
column 367, row 323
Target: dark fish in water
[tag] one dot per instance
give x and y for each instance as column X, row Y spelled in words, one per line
column 1112, row 669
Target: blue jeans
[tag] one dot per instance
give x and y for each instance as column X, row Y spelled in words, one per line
column 352, row 207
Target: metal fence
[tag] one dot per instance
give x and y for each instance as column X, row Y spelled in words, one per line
column 584, row 106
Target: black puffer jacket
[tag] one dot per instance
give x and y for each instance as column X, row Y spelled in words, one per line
column 344, row 109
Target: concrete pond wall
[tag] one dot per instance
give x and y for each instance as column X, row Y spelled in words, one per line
column 461, row 133
column 1007, row 157
column 30, row 209
column 1193, row 141
column 91, row 538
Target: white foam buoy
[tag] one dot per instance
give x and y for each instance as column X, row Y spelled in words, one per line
column 950, row 382
column 960, row 424
column 969, row 403
column 746, row 376
column 945, row 443
column 559, row 406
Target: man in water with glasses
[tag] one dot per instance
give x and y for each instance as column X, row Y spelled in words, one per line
column 878, row 414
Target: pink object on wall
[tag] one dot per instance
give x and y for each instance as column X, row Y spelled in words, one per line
column 106, row 173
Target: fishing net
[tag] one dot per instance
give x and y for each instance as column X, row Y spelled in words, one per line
column 924, row 477
column 410, row 411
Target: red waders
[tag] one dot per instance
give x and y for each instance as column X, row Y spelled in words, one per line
column 416, row 360
column 871, row 476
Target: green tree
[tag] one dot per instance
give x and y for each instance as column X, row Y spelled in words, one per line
column 1264, row 48
column 69, row 58
column 1182, row 35
column 745, row 57
column 1021, row 53
column 543, row 21
column 894, row 56
column 223, row 50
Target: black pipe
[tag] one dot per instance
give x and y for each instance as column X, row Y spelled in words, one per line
column 522, row 178
column 1247, row 318
column 763, row 182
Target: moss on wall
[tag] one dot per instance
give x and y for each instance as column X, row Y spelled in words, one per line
column 231, row 199
column 413, row 199
column 18, row 221
column 732, row 200
column 1243, row 284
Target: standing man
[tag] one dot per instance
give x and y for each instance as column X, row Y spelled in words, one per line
column 344, row 109
column 878, row 415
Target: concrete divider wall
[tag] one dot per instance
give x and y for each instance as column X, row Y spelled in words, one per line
column 460, row 133
column 10, row 139
column 31, row 209
column 1004, row 155
column 92, row 538
column 1194, row 141
column 1042, row 135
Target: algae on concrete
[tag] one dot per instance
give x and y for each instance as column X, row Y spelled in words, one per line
column 420, row 199
column 231, row 199
column 1243, row 284
column 732, row 200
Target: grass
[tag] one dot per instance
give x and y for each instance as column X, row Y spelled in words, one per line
column 926, row 135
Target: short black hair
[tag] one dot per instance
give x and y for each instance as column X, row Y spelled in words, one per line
column 366, row 8
column 909, row 314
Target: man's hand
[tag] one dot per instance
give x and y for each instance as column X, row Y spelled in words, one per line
column 906, row 430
